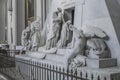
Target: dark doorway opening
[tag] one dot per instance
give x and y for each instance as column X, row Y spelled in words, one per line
column 73, row 12
column 69, row 15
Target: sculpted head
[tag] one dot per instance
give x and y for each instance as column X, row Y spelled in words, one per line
column 27, row 29
column 59, row 9
column 29, row 23
column 38, row 19
column 69, row 22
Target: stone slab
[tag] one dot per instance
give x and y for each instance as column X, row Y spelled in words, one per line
column 101, row 63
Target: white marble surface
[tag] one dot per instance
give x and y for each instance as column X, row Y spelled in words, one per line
column 99, row 15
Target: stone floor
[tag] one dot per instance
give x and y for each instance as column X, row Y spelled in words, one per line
column 3, row 77
column 13, row 73
column 111, row 73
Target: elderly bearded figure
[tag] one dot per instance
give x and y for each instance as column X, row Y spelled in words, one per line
column 35, row 34
column 26, row 35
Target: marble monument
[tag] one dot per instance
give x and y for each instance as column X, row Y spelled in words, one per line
column 88, row 43
column 94, row 44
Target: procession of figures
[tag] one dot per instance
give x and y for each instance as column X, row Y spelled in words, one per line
column 89, row 41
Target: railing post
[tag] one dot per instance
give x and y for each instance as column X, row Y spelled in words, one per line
column 45, row 72
column 33, row 70
column 81, row 75
column 71, row 73
column 67, row 74
column 60, row 73
column 98, row 78
column 30, row 70
column 105, row 78
column 92, row 77
column 40, row 70
column 63, row 74
column 50, row 71
column 86, row 76
column 76, row 75
column 53, row 72
column 56, row 73
column 37, row 71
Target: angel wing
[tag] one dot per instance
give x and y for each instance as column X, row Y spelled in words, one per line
column 91, row 31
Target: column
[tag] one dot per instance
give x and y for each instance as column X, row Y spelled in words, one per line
column 12, row 24
column 39, row 9
column 2, row 20
column 20, row 19
column 17, row 23
column 79, row 13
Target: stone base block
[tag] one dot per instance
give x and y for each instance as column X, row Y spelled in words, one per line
column 101, row 63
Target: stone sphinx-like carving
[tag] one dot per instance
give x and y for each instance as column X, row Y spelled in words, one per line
column 97, row 52
column 96, row 46
column 95, row 43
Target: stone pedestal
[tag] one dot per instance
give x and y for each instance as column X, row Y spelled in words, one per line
column 101, row 63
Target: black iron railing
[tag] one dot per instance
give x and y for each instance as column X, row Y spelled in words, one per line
column 19, row 69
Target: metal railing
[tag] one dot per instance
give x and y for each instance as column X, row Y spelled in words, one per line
column 19, row 69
